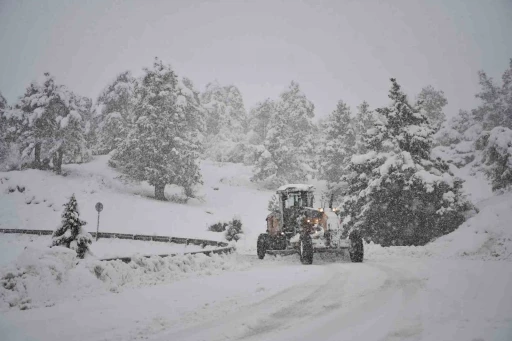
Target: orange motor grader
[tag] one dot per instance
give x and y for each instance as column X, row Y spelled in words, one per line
column 298, row 227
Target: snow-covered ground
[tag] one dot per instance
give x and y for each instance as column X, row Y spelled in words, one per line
column 456, row 288
column 129, row 208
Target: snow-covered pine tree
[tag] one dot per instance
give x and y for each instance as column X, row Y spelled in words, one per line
column 70, row 138
column 162, row 147
column 364, row 120
column 289, row 143
column 432, row 102
column 498, row 158
column 261, row 117
column 115, row 107
column 40, row 105
column 465, row 138
column 340, row 143
column 70, row 233
column 3, row 120
column 397, row 194
column 4, row 130
column 3, row 103
column 226, row 122
column 496, row 102
column 51, row 122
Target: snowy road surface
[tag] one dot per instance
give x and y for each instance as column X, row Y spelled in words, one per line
column 280, row 299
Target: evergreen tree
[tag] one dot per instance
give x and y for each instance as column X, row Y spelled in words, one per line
column 115, row 107
column 498, row 158
column 226, row 122
column 261, row 117
column 70, row 138
column 41, row 105
column 365, row 119
column 397, row 194
column 432, row 102
column 51, row 123
column 340, row 143
column 289, row 147
column 465, row 137
column 70, row 233
column 3, row 120
column 3, row 103
column 162, row 147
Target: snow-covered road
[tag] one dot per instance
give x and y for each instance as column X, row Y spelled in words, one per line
column 280, row 299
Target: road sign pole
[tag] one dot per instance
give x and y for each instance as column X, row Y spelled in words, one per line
column 98, row 226
column 99, row 208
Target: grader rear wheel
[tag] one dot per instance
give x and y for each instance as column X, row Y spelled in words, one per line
column 262, row 245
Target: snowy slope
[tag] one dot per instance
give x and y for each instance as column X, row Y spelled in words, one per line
column 130, row 208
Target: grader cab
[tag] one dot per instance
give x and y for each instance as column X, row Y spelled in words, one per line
column 298, row 227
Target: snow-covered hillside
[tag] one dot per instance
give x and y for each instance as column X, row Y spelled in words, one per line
column 128, row 208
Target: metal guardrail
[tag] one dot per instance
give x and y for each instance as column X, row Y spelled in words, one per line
column 223, row 246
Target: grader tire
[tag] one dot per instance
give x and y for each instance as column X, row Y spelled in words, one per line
column 306, row 249
column 262, row 245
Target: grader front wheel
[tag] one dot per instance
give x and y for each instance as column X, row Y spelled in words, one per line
column 306, row 249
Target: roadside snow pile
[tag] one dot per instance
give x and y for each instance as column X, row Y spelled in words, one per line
column 43, row 276
column 487, row 236
column 143, row 271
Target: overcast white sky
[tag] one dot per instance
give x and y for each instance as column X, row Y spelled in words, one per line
column 335, row 49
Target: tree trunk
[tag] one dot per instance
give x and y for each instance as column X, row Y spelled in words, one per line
column 57, row 161
column 189, row 192
column 159, row 192
column 37, row 156
column 331, row 200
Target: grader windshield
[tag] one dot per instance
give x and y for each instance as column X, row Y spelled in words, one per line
column 298, row 199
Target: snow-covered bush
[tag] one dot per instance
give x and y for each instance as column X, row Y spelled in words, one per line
column 70, row 232
column 218, row 227
column 234, row 229
column 231, row 228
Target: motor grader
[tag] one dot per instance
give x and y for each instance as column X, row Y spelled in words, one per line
column 298, row 227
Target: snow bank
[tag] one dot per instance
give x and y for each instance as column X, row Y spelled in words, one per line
column 43, row 276
column 143, row 271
